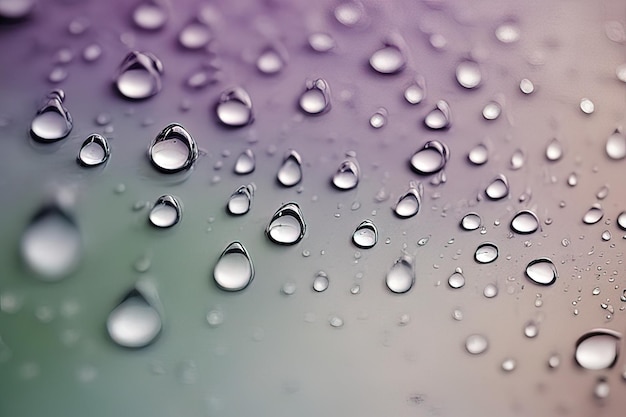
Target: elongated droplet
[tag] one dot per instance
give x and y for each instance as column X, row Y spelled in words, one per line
column 271, row 61
column 498, row 189
column 415, row 92
column 287, row 226
column 139, row 75
column 431, row 158
column 94, row 151
column 457, row 279
column 194, row 35
column 290, row 172
column 525, row 222
column 471, row 221
column 598, row 349
column 478, row 155
column 321, row 42
column 621, row 220
column 234, row 270
column 245, row 163
column 554, row 150
column 240, row 201
column 439, row 117
column 390, row 59
column 173, row 149
column 347, row 175
column 468, row 74
column 52, row 121
column 135, row 322
column 401, row 276
column 234, row 108
column 316, row 98
column 517, row 159
column 476, row 344
column 366, row 235
column 320, row 282
column 542, row 271
column 150, row 15
column 594, row 214
column 408, row 205
column 51, row 245
column 486, row 253
column 616, row 145
column 166, row 212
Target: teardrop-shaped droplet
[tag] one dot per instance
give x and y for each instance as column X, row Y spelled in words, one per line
column 321, row 42
column 594, row 214
column 195, row 35
column 240, row 201
column 234, row 270
column 401, row 276
column 271, row 61
column 598, row 349
column 320, row 282
column 476, row 344
column 290, row 172
column 135, row 322
column 492, row 110
column 52, row 121
column 457, row 279
column 315, row 99
column 468, row 74
column 173, row 149
column 439, row 117
column 347, row 175
column 517, row 159
column 14, row 10
column 166, row 212
column 621, row 220
column 390, row 59
column 542, row 271
column 245, row 163
column 408, row 205
column 378, row 119
column 478, row 155
column 234, row 107
column 616, row 145
column 526, row 86
column 51, row 245
column 94, row 151
column 287, row 226
column 525, row 222
column 431, row 158
column 486, row 253
column 471, row 221
column 415, row 92
column 139, row 75
column 151, row 15
column 490, row 290
column 498, row 189
column 366, row 235
column 554, row 150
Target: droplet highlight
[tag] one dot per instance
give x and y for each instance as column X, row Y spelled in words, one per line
column 616, row 145
column 409, row 204
column 246, row 163
column 439, row 117
column 498, row 189
column 468, row 74
column 240, row 201
column 525, row 222
column 347, row 175
column 134, row 323
column 315, row 100
column 431, row 158
column 597, row 349
column 290, row 172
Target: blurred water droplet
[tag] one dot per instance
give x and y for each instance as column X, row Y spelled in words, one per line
column 431, row 158
column 378, row 119
column 391, row 59
column 457, row 279
column 508, row 365
column 542, row 271
column 135, row 322
column 554, row 150
column 597, row 349
column 498, row 189
column 287, row 226
column 492, row 110
column 401, row 276
column 194, row 35
column 594, row 214
column 408, row 205
column 587, row 106
column 320, row 282
column 234, row 107
column 289, row 288
column 347, row 175
column 554, row 361
column 234, row 270
column 349, row 13
column 486, row 253
column 315, row 99
column 508, row 32
column 16, row 9
column 150, row 15
column 240, row 201
column 366, row 235
column 52, row 121
column 603, row 192
column 415, row 92
column 94, row 151
column 245, row 163
column 476, row 344
column 478, row 155
column 471, row 221
column 439, row 117
column 215, row 317
column 490, row 291
column 525, row 222
column 166, row 212
column 57, row 75
column 173, row 149
column 517, row 159
column 531, row 330
column 616, row 145
column 468, row 74
column 602, row 389
column 526, row 86
column 271, row 61
column 290, row 172
column 321, row 42
column 139, row 75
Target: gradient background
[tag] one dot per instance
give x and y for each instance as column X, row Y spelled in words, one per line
column 266, row 359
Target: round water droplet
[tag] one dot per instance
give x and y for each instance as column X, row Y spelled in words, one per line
column 616, row 145
column 471, row 221
column 134, row 323
column 379, row 118
column 347, row 175
column 366, row 234
column 486, row 253
column 468, row 74
column 498, row 189
column 526, row 86
column 490, row 291
column 597, row 349
column 478, row 155
column 517, row 159
column 150, row 15
column 234, row 107
column 270, row 61
column 492, row 110
column 508, row 365
column 456, row 280
column 587, row 106
column 166, row 212
column 287, row 226
column 94, row 151
column 431, row 158
column 139, row 75
column 508, row 32
column 290, row 172
column 321, row 42
column 476, row 344
column 335, row 321
column 240, row 201
column 388, row 60
column 320, row 282
column 415, row 92
column 603, row 192
column 173, row 149
column 401, row 276
column 525, row 222
column 195, row 35
column 349, row 13
column 542, row 271
column 315, row 99
column 92, row 52
column 289, row 288
column 234, row 270
column 554, row 361
column 594, row 214
column 606, row 236
column 439, row 117
column 215, row 317
column 245, row 163
column 52, row 121
column 554, row 150
column 531, row 330
column 602, row 389
column 621, row 220
column 16, row 9
column 408, row 205
column 51, row 245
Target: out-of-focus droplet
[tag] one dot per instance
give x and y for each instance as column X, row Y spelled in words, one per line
column 349, row 13
column 321, row 42
column 587, row 106
column 57, row 75
column 320, row 282
column 401, row 276
column 492, row 110
column 234, row 270
column 616, row 145
column 468, row 74
column 476, row 344
column 215, row 317
column 378, row 119
column 290, row 172
column 572, row 179
column 52, row 121
column 151, row 14
column 594, row 214
column 508, row 32
column 531, row 330
column 366, row 234
column 335, row 321
column 517, row 159
column 554, row 150
column 94, row 151
column 602, row 389
column 486, row 253
column 498, row 189
column 471, row 221
column 439, row 117
column 347, row 175
column 526, row 86
column 490, row 291
column 92, row 52
column 554, row 361
column 195, row 35
column 430, row 158
column 271, row 61
column 315, row 99
column 16, row 9
column 457, row 279
column 542, row 271
column 390, row 59
column 240, row 201
column 415, row 92
column 478, row 155
column 245, row 163
column 134, row 322
column 287, row 226
column 409, row 203
column 525, row 222
column 173, row 149
column 166, row 212
column 508, row 365
column 598, row 349
column 603, row 192
column 234, row 108
column 139, row 75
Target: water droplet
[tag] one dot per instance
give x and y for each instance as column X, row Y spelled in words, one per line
column 602, row 388
column 289, row 288
column 572, row 180
column 621, row 220
column 597, row 349
column 234, row 270
column 554, row 150
column 194, row 35
column 476, row 344
column 587, row 106
column 92, row 52
column 498, row 189
column 321, row 42
column 616, row 145
column 271, row 61
column 335, row 321
column 542, row 271
column 173, row 149
column 531, row 329
column 508, row 365
column 234, row 108
column 594, row 214
column 240, row 201
column 478, row 155
column 492, row 110
column 620, row 72
column 349, row 13
column 408, row 205
column 287, row 226
column 135, row 322
column 457, row 315
column 16, row 9
column 150, row 15
column 52, row 121
column 347, row 175
column 554, row 361
column 486, row 253
column 57, row 75
column 94, row 151
column 366, row 234
column 315, row 99
column 320, row 282
column 245, row 163
column 379, row 118
column 290, row 172
column 431, row 158
column 517, row 159
column 471, row 221
column 390, row 59
column 490, row 291
column 215, row 317
column 508, row 32
column 468, row 74
column 401, row 276
column 456, row 280
column 526, row 86
column 51, row 245
column 166, row 212
column 415, row 92
column 439, row 117
column 525, row 222
column 139, row 75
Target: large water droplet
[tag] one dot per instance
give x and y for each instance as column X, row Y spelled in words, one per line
column 468, row 74
column 347, row 175
column 542, row 271
column 554, row 150
column 471, row 221
column 486, row 253
column 366, row 234
column 390, row 59
column 401, row 276
column 245, row 163
column 415, row 92
column 234, row 270
column 431, row 158
column 287, row 225
column 476, row 344
column 320, row 282
column 139, row 75
column 173, row 149
column 271, row 61
column 498, row 189
column 194, row 35
column 525, row 222
column 321, row 42
column 439, row 117
column 457, row 279
column 166, row 212
column 478, row 155
column 594, row 214
column 16, row 9
column 151, row 15
column 408, row 205
column 240, row 201
column 290, row 172
column 620, row 72
column 135, row 322
column 597, row 349
column 51, row 245
column 315, row 99
column 616, row 145
column 234, row 107
column 52, row 121
column 94, row 151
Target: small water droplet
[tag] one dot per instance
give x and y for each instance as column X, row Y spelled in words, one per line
column 554, row 361
column 572, row 180
column 315, row 100
column 478, row 155
column 430, row 158
column 597, row 349
column 139, row 75
column 415, row 92
column 508, row 32
column 606, row 236
column 52, row 121
column 290, row 172
column 234, row 108
column 92, row 52
column 166, row 212
column 498, row 189
column 476, row 344
column 289, row 288
column 587, row 106
column 526, row 86
column 492, row 110
column 320, row 282
column 150, row 15
column 490, row 291
column 321, row 42
column 468, row 74
column 554, row 150
column 508, row 365
column 134, row 322
column 621, row 220
column 457, row 279
column 594, row 214
column 94, row 151
column 390, row 59
column 542, row 271
column 486, row 253
column 366, row 235
column 349, row 13
column 173, row 149
column 471, row 221
column 271, row 61
column 602, row 388
column 194, row 35
column 401, row 276
column 240, row 201
column 287, row 226
column 57, row 75
column 439, row 117
column 234, row 270
column 245, row 163
column 378, row 119
column 408, row 205
column 531, row 330
column 347, row 175
column 525, row 222
column 215, row 317
column 335, row 321
column 616, row 145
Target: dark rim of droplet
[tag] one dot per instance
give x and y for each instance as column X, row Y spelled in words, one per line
column 136, row 60
column 54, row 102
column 171, row 201
column 486, row 245
column 175, row 131
column 548, row 261
column 599, row 332
column 245, row 190
column 444, row 108
column 102, row 142
column 240, row 95
column 288, row 209
column 135, row 293
column 236, row 247
column 366, row 224
column 441, row 148
column 56, row 210
column 412, row 192
column 322, row 86
column 524, row 213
